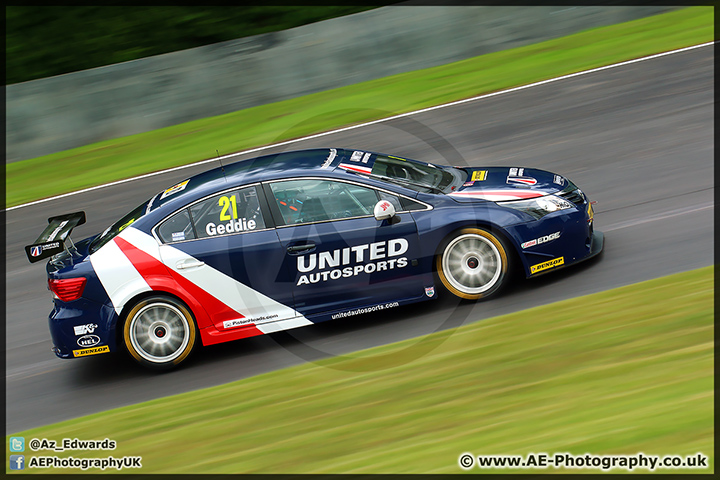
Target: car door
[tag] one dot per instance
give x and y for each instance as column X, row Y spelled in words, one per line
column 337, row 255
column 226, row 246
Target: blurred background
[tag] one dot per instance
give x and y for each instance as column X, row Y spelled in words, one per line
column 83, row 74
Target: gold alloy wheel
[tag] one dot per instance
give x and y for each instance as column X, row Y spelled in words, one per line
column 473, row 264
column 159, row 332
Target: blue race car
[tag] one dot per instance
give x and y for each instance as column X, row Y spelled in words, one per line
column 291, row 239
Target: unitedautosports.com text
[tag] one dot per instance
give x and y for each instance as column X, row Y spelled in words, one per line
column 84, row 463
column 374, row 308
column 585, row 461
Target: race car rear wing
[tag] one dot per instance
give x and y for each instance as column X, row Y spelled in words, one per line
column 52, row 240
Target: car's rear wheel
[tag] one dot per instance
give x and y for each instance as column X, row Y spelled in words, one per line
column 473, row 264
column 159, row 332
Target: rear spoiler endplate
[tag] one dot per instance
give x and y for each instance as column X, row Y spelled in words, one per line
column 52, row 240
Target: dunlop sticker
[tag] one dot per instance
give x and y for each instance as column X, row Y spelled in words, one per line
column 479, row 175
column 90, row 351
column 545, row 265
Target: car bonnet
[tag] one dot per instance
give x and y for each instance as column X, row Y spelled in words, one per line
column 509, row 183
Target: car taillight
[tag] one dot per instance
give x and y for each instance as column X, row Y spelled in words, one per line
column 67, row 289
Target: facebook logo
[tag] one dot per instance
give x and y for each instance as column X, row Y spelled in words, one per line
column 17, row 462
column 17, row 444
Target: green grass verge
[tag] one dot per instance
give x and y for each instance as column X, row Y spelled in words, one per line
column 619, row 372
column 126, row 157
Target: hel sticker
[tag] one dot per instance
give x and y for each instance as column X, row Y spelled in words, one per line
column 90, row 351
column 538, row 241
column 329, row 159
column 546, row 265
column 35, row 251
column 88, row 341
column 479, row 175
column 84, row 329
column 430, row 291
column 559, row 180
column 174, row 189
column 522, row 180
column 516, row 172
column 177, row 236
column 468, row 184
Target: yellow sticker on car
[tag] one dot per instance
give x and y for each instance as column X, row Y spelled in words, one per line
column 126, row 225
column 545, row 265
column 91, row 351
column 479, row 175
column 174, row 189
column 590, row 213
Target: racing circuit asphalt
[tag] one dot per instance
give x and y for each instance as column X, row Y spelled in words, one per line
column 637, row 138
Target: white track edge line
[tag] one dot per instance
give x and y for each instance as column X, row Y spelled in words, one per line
column 360, row 125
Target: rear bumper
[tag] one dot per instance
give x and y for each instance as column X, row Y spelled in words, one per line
column 82, row 328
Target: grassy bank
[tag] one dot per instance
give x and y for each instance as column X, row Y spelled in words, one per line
column 619, row 372
column 178, row 145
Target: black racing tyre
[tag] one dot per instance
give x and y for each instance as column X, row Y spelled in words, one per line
column 473, row 264
column 159, row 332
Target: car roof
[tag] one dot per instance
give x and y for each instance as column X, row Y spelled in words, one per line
column 267, row 167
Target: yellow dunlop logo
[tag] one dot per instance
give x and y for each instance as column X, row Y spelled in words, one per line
column 545, row 265
column 479, row 175
column 90, row 351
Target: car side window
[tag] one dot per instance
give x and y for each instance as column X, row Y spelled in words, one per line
column 410, row 205
column 231, row 212
column 176, row 228
column 394, row 199
column 310, row 200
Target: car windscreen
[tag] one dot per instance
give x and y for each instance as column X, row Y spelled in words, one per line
column 118, row 227
column 418, row 176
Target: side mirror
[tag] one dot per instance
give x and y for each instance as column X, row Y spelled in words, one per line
column 384, row 210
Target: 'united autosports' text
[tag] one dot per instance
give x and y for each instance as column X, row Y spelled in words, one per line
column 367, row 258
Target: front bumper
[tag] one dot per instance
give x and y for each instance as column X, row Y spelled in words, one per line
column 557, row 240
column 597, row 242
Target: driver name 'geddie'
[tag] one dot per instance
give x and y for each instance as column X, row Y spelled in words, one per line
column 236, row 226
column 348, row 255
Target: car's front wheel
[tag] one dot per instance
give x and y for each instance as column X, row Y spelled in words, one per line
column 473, row 264
column 159, row 332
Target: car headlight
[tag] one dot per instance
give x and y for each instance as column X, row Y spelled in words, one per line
column 540, row 206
